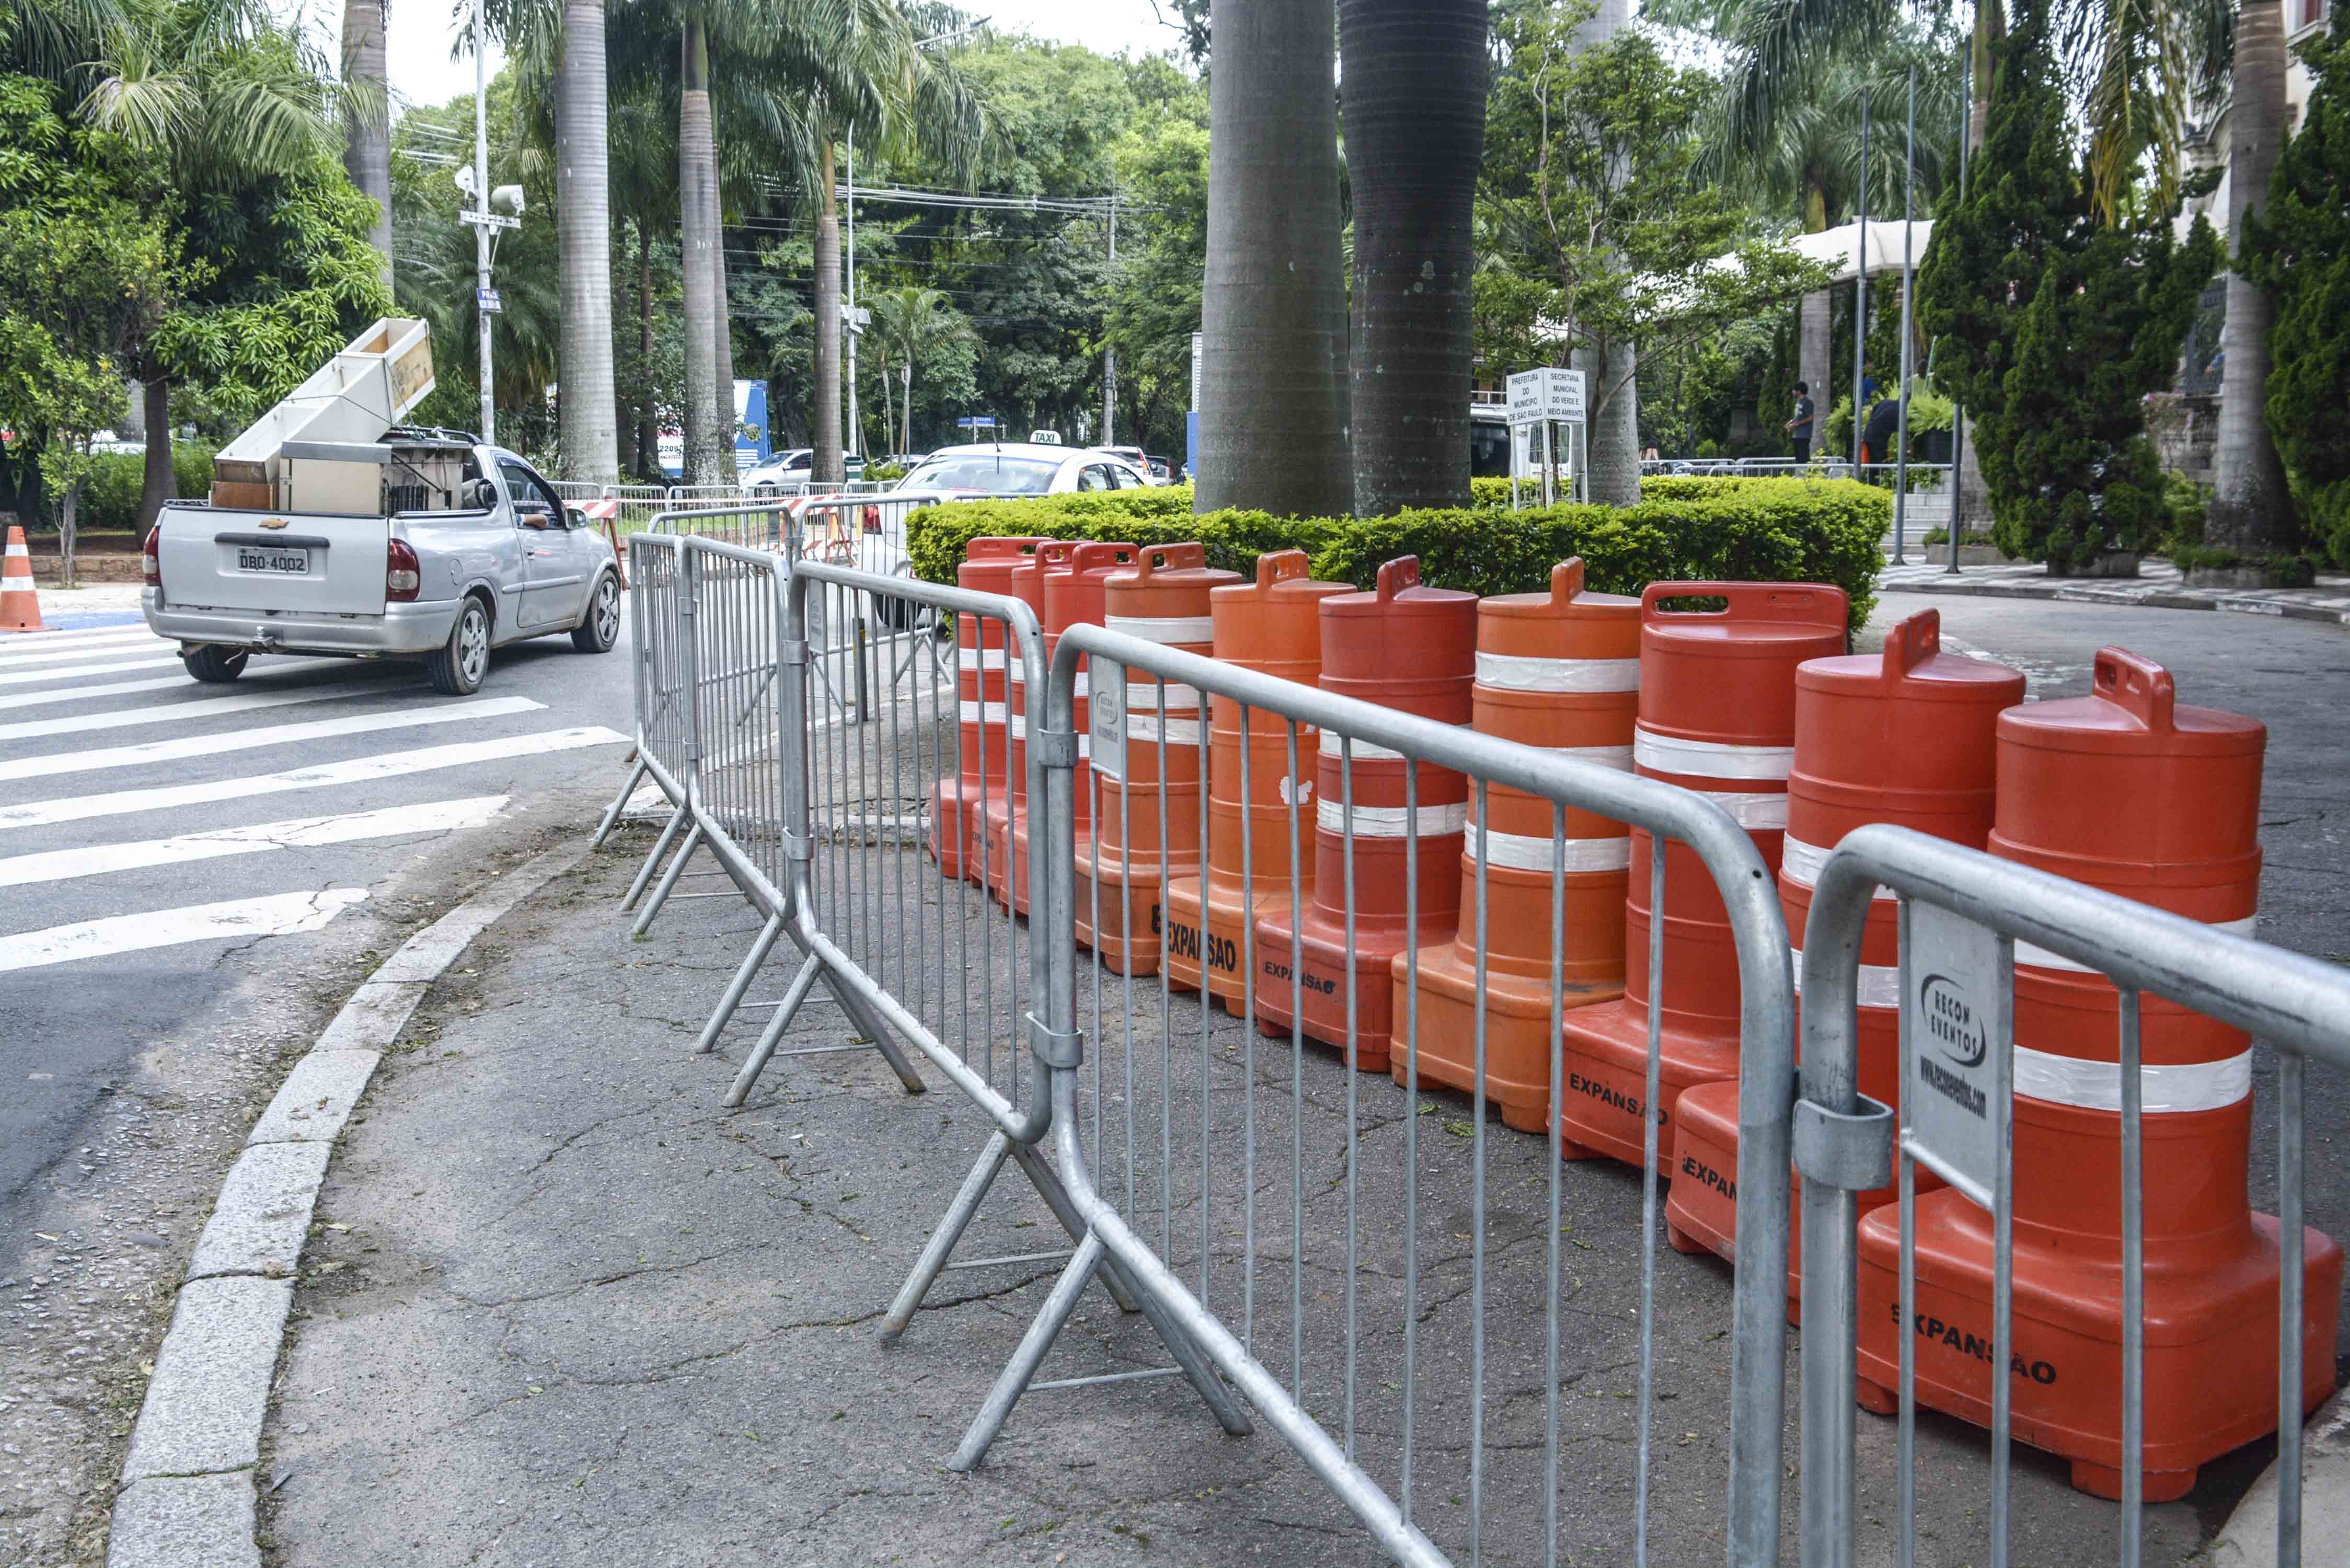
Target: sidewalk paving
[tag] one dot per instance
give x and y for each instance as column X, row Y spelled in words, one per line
column 2160, row 585
column 559, row 1307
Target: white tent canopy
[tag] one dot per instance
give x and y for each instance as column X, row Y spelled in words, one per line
column 1840, row 247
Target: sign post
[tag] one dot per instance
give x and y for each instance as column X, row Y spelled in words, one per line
column 1545, row 400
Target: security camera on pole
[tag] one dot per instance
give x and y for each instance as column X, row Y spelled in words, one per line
column 473, row 181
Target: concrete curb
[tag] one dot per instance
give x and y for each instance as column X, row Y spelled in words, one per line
column 2249, row 1537
column 2149, row 597
column 186, row 1498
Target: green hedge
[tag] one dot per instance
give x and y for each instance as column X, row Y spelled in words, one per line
column 110, row 496
column 1748, row 530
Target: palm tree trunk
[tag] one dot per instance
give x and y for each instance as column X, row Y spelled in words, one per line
column 1272, row 430
column 1971, row 497
column 2251, row 510
column 159, row 483
column 367, row 121
column 649, row 410
column 826, row 465
column 590, row 438
column 697, row 157
column 1813, row 332
column 1611, row 375
column 1413, row 76
column 722, row 343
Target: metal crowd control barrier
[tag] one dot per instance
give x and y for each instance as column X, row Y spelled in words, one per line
column 1163, row 1141
column 655, row 578
column 1977, row 908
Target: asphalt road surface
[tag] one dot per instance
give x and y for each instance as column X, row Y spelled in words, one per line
column 152, row 828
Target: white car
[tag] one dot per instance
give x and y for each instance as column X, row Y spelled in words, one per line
column 1021, row 468
column 792, row 470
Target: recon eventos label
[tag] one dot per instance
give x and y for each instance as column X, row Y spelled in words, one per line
column 1614, row 1099
column 1951, row 1337
column 1954, row 1030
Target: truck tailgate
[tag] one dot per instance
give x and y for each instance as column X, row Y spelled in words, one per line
column 299, row 563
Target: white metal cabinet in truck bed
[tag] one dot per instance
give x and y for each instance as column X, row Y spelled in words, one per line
column 501, row 559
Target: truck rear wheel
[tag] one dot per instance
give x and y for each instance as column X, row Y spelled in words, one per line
column 214, row 664
column 457, row 666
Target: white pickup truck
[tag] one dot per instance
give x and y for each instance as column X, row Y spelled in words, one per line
column 467, row 550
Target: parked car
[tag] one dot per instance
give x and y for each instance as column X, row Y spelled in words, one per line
column 1162, row 470
column 795, row 468
column 1020, row 468
column 443, row 575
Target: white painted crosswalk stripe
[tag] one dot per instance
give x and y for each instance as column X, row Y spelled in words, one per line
column 177, row 712
column 93, row 693
column 276, row 915
column 265, row 735
column 70, row 671
column 15, row 655
column 357, row 770
column 295, row 833
column 78, row 634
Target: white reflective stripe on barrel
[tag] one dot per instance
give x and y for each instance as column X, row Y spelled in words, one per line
column 1804, row 862
column 1020, row 733
column 1709, row 759
column 1388, row 821
column 1529, row 852
column 2170, row 1088
column 1362, row 751
column 1166, row 630
column 1019, row 670
column 2029, row 957
column 1143, row 695
column 979, row 658
column 1617, row 757
column 989, row 714
column 1755, row 812
column 1179, row 731
column 1518, row 672
column 1880, row 984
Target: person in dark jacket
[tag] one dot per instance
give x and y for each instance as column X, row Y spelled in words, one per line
column 1876, row 435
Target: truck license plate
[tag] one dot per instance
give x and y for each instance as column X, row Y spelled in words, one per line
column 273, row 562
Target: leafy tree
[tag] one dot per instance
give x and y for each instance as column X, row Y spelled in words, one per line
column 2300, row 251
column 1154, row 304
column 2056, row 325
column 1604, row 230
column 85, row 273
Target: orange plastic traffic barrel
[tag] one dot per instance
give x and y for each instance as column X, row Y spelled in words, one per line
column 2128, row 791
column 1560, row 670
column 957, row 802
column 1905, row 736
column 1274, row 625
column 1717, row 715
column 1148, row 829
column 993, row 857
column 1070, row 593
column 1402, row 646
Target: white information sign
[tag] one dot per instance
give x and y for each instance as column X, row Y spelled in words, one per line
column 1961, row 1019
column 1106, row 715
column 1549, row 393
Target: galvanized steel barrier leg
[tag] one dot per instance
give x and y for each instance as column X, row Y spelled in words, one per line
column 669, row 879
column 612, row 812
column 741, row 983
column 654, row 858
column 753, row 1065
column 1022, row 1370
column 957, row 1220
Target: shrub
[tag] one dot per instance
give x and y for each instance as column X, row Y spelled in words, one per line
column 1772, row 530
column 110, row 496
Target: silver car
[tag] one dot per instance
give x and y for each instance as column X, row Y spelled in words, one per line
column 489, row 556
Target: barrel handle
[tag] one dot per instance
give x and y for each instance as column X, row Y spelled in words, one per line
column 2139, row 686
column 1152, row 558
column 1059, row 552
column 995, row 546
column 1101, row 553
column 1911, row 643
column 1397, row 574
column 1566, row 581
column 1820, row 604
column 1281, row 565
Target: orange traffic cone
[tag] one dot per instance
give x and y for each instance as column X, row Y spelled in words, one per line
column 20, row 606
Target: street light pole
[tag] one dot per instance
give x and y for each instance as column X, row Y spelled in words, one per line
column 1860, row 302
column 1908, row 287
column 848, row 312
column 1109, row 351
column 482, row 206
